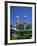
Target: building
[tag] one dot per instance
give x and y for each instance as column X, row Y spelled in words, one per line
column 25, row 22
column 17, row 23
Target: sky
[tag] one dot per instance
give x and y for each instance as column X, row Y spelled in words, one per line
column 21, row 12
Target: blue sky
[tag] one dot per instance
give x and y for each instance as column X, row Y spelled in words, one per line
column 21, row 12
